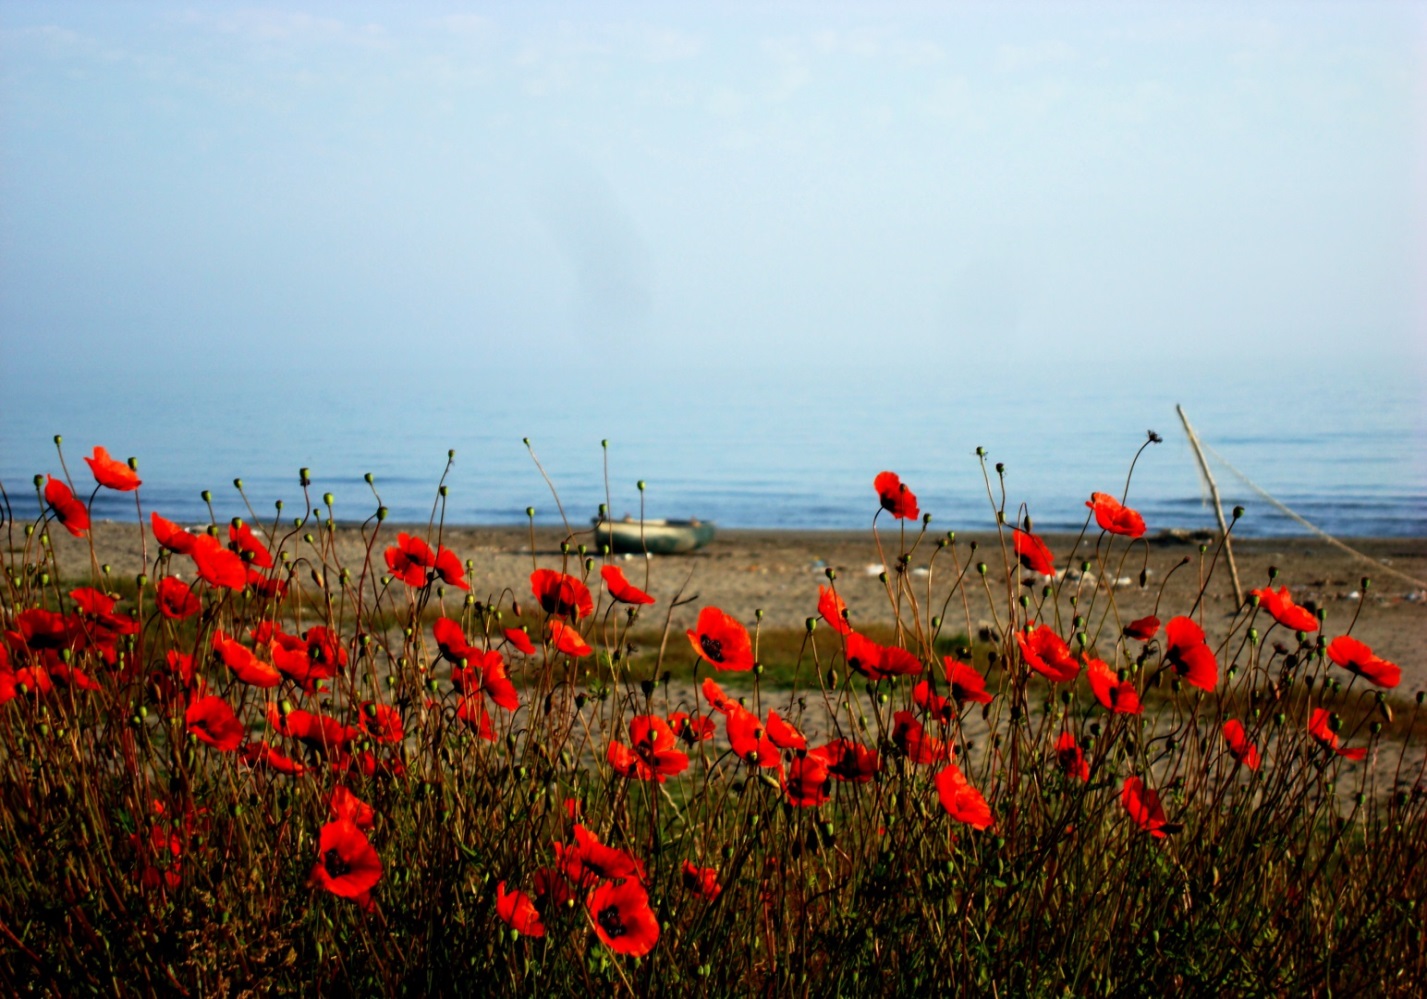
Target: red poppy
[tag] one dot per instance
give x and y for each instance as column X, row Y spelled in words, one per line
column 749, row 738
column 561, row 595
column 622, row 589
column 1321, row 728
column 587, row 860
column 966, row 683
column 175, row 599
column 720, row 640
column 345, row 805
column 318, row 731
column 879, row 662
column 71, row 513
column 518, row 911
column 1045, row 652
column 552, row 886
column 290, row 657
column 808, row 782
column 472, row 711
column 1358, row 657
column 171, row 536
column 485, row 671
column 1070, row 758
column 260, row 754
column 1142, row 629
column 1240, row 748
column 911, row 738
column 692, row 728
column 247, row 543
column 213, row 721
column 941, row 708
column 450, row 569
column 566, row 639
column 1282, row 609
column 848, row 761
column 1189, row 654
column 1115, row 518
column 702, row 881
column 347, row 863
column 1143, row 805
column 409, row 559
column 717, row 699
column 653, row 756
column 623, row 919
column 110, row 473
column 1115, row 695
column 832, row 610
column 522, row 642
column 783, row 734
column 382, row 722
column 895, row 497
column 1034, row 553
column 962, row 801
column 246, row 666
column 217, row 566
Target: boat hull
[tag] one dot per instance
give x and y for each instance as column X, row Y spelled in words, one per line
column 669, row 537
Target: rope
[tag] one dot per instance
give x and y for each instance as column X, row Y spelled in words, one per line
column 1378, row 566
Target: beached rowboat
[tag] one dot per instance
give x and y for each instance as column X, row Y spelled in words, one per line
column 658, row 537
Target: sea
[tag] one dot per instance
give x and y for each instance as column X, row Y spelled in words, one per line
column 739, row 444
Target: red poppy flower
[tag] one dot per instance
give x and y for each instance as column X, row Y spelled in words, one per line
column 1282, row 609
column 832, row 610
column 1143, row 805
column 962, row 801
column 702, row 881
column 522, row 642
column 941, row 708
column 1045, row 652
column 622, row 589
column 321, row 732
column 879, row 662
column 895, row 497
column 247, row 543
column 171, row 536
column 486, row 672
column 71, row 513
column 1189, row 654
column 1034, row 553
column 966, row 683
column 1115, row 695
column 260, row 754
column 518, row 911
column 213, row 721
column 345, row 805
column 587, row 860
column 409, row 559
column 692, row 729
column 450, row 569
column 783, row 734
column 451, row 640
column 848, row 761
column 175, row 599
column 1240, row 748
column 217, row 566
column 808, row 782
column 721, row 641
column 623, row 919
column 717, row 699
column 110, row 473
column 1113, row 517
column 1358, row 657
column 382, row 722
column 567, row 640
column 911, row 738
column 1320, row 727
column 561, row 595
column 181, row 664
column 1070, row 758
column 347, row 863
column 290, row 657
column 246, row 666
column 552, row 886
column 653, row 756
column 472, row 711
column 1142, row 629
column 749, row 738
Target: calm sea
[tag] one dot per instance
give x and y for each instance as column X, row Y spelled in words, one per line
column 743, row 447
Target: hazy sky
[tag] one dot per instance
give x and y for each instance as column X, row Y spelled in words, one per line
column 222, row 184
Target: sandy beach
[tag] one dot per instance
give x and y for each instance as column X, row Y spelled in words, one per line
column 743, row 571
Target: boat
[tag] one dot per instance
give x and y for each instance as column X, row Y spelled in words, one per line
column 657, row 537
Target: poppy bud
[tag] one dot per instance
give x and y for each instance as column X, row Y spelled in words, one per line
column 862, row 722
column 1375, row 728
column 1144, row 578
column 936, row 623
column 980, row 568
column 639, row 485
column 1238, row 512
column 530, row 512
column 1254, row 634
column 1024, row 601
column 1367, row 584
column 980, row 452
column 206, row 496
column 39, row 481
column 972, row 546
column 951, row 537
column 1000, row 468
column 579, row 701
column 1065, row 697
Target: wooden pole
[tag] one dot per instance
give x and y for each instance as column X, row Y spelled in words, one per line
column 1218, row 507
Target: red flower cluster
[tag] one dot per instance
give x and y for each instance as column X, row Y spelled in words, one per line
column 1282, row 609
column 1114, row 517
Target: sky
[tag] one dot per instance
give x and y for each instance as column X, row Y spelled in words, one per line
column 310, row 187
